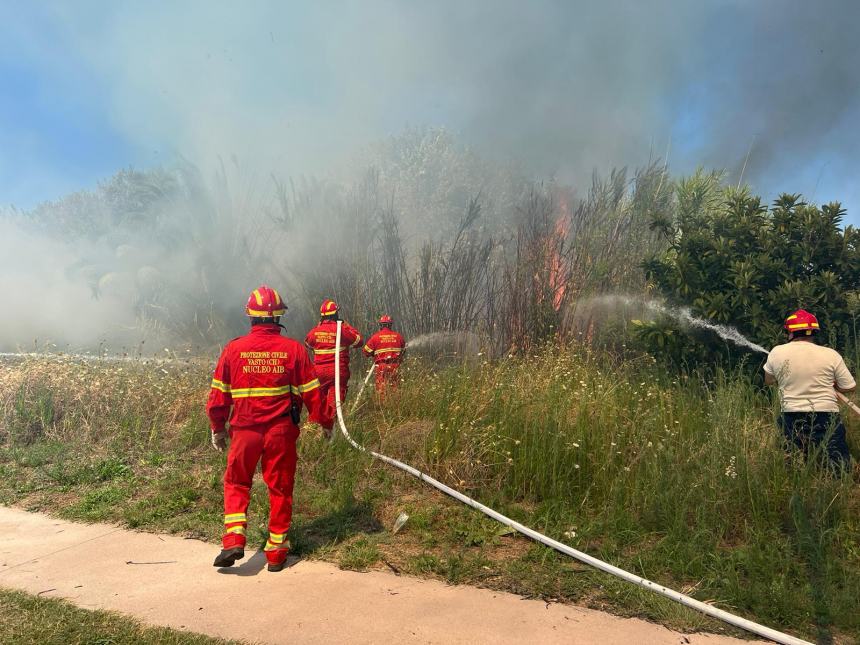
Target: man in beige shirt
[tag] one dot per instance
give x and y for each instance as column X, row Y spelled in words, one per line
column 808, row 376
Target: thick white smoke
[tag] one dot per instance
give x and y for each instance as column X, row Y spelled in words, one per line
column 49, row 300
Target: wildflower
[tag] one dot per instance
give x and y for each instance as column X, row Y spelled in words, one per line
column 731, row 471
column 575, row 445
column 576, row 466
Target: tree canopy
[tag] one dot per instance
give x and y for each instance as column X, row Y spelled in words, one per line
column 735, row 261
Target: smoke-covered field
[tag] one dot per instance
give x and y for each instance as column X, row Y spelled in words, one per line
column 269, row 154
column 163, row 258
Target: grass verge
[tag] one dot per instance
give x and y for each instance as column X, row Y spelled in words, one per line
column 678, row 480
column 26, row 619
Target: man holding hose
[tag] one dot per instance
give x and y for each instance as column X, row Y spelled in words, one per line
column 321, row 341
column 386, row 347
column 808, row 376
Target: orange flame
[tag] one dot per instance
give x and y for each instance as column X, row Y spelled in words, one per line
column 557, row 278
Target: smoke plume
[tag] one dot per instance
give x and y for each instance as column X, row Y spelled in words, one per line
column 545, row 89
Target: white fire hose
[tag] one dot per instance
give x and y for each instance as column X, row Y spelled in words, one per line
column 847, row 402
column 361, row 389
column 698, row 605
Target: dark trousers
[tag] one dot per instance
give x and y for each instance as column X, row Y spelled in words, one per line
column 807, row 431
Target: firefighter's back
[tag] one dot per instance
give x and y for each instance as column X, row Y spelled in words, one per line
column 265, row 373
column 322, row 340
column 386, row 346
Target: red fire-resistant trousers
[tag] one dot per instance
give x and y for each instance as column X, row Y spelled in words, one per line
column 275, row 447
column 326, row 379
column 386, row 377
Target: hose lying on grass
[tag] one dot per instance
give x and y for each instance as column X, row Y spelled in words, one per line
column 677, row 596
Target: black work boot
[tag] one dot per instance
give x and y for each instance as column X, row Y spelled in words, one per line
column 274, row 568
column 228, row 556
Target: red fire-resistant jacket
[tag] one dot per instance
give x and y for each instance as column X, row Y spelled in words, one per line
column 385, row 346
column 262, row 375
column 321, row 339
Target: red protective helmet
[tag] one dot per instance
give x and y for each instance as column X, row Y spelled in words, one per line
column 265, row 302
column 328, row 308
column 801, row 320
column 385, row 320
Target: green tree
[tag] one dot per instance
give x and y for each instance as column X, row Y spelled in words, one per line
column 735, row 261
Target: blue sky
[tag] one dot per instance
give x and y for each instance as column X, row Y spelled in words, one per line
column 565, row 87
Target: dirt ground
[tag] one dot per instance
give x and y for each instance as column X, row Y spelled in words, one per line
column 170, row 581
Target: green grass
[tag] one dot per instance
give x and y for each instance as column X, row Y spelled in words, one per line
column 680, row 480
column 359, row 555
column 26, row 619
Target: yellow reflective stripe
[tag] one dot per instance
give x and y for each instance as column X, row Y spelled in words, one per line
column 357, row 342
column 367, row 348
column 791, row 317
column 239, row 530
column 258, row 297
column 803, row 326
column 274, row 547
column 393, row 350
column 221, row 386
column 310, row 385
column 235, row 517
column 277, row 538
column 329, row 351
column 266, row 314
column 247, row 392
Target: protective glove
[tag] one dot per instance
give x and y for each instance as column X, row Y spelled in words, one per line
column 219, row 440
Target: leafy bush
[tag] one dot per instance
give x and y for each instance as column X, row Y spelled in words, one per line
column 734, row 261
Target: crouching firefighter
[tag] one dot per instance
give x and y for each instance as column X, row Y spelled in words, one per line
column 386, row 347
column 807, row 376
column 266, row 378
column 321, row 341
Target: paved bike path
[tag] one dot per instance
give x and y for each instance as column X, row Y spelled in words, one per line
column 170, row 581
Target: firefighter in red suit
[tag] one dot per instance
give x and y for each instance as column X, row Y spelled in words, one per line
column 265, row 378
column 386, row 347
column 321, row 340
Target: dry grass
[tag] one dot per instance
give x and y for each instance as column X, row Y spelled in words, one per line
column 678, row 480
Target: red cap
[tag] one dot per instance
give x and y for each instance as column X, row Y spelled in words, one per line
column 385, row 320
column 265, row 302
column 328, row 308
